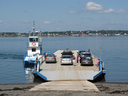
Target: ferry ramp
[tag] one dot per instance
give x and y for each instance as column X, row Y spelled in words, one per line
column 56, row 71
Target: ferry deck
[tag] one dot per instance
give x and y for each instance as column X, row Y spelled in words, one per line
column 56, row 71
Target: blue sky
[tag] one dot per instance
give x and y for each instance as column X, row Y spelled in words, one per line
column 63, row 15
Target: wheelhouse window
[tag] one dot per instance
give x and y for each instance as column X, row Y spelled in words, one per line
column 33, row 39
column 33, row 49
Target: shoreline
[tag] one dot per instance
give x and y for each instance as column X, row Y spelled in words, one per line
column 71, row 36
column 106, row 89
column 66, row 36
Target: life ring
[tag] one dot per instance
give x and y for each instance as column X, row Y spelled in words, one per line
column 33, row 43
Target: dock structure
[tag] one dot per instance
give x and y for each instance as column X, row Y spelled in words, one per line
column 66, row 86
column 56, row 71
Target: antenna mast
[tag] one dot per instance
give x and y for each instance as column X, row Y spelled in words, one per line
column 33, row 27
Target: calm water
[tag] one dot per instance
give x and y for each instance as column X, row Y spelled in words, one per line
column 114, row 53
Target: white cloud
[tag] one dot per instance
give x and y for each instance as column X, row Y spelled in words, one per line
column 93, row 6
column 107, row 11
column 121, row 11
column 113, row 11
column 47, row 22
column 72, row 12
column 1, row 21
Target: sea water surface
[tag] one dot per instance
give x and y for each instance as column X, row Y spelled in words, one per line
column 114, row 53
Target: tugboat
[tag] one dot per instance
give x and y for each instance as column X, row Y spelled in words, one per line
column 34, row 51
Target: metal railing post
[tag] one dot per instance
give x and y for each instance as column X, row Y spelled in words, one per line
column 38, row 66
column 100, row 66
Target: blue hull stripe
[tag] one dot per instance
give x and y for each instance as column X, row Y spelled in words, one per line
column 100, row 73
column 45, row 78
column 104, row 72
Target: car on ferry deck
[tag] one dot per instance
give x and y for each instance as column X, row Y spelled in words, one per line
column 82, row 54
column 67, row 52
column 66, row 59
column 51, row 58
column 85, row 54
column 79, row 54
column 86, row 60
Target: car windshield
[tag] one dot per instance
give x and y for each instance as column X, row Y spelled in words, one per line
column 86, row 57
column 81, row 51
column 67, row 53
column 66, row 56
column 50, row 55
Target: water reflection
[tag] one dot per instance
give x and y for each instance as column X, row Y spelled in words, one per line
column 31, row 78
column 28, row 74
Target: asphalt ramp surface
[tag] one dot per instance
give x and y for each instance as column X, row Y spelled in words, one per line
column 66, row 86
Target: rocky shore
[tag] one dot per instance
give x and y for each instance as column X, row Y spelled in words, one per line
column 106, row 89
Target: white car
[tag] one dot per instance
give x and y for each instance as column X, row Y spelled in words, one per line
column 66, row 59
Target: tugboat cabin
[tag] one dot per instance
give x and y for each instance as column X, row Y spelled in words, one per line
column 34, row 45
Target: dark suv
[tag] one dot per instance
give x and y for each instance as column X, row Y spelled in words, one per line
column 86, row 60
column 78, row 53
column 65, row 52
column 82, row 54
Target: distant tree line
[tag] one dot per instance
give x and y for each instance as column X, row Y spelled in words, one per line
column 64, row 33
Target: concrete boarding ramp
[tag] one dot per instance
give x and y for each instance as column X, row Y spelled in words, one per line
column 66, row 86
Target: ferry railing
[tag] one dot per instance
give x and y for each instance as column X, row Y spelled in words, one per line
column 38, row 66
column 100, row 65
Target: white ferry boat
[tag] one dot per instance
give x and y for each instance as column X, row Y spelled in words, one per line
column 34, row 50
column 57, row 71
